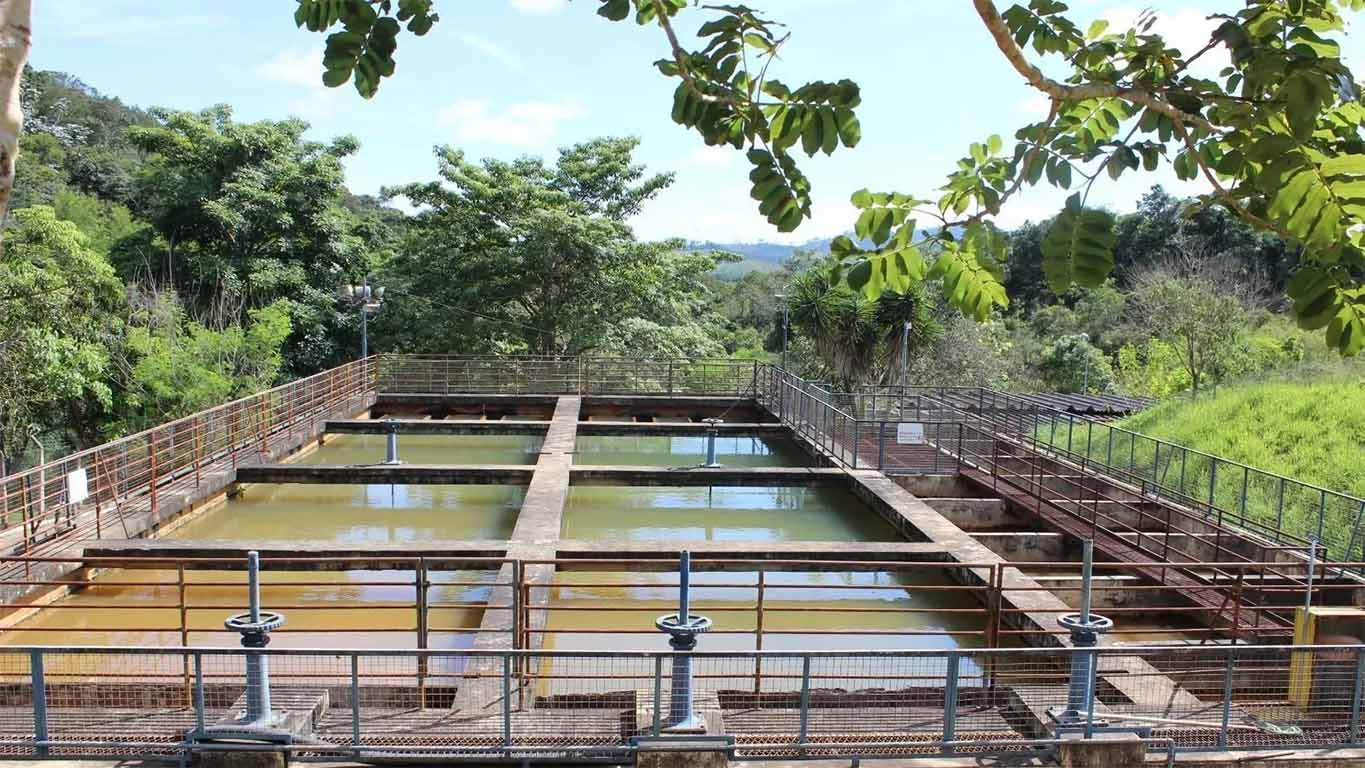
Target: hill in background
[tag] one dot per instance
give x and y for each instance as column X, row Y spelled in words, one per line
column 758, row 257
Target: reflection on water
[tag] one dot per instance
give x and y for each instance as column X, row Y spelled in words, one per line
column 687, row 451
column 365, row 609
column 828, row 611
column 428, row 449
column 802, row 611
column 721, row 514
column 362, row 514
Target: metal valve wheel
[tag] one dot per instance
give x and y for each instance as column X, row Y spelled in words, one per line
column 695, row 625
column 1097, row 624
column 268, row 622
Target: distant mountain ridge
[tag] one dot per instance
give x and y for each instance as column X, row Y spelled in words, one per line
column 763, row 252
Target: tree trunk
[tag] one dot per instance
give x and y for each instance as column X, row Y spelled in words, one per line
column 15, row 41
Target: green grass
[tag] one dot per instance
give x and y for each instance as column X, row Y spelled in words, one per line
column 1312, row 432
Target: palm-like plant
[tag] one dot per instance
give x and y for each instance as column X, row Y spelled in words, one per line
column 856, row 340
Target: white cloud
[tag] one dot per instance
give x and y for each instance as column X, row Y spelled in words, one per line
column 298, row 67
column 537, row 6
column 492, row 50
column 528, row 124
column 94, row 21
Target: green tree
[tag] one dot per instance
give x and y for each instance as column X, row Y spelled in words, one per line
column 1196, row 313
column 856, row 340
column 245, row 215
column 526, row 256
column 173, row 366
column 1154, row 368
column 1276, row 136
column 58, row 299
column 1073, row 364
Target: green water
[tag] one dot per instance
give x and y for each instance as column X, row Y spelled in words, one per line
column 362, row 514
column 721, row 513
column 428, row 449
column 687, row 451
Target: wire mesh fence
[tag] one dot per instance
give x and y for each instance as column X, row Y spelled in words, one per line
column 133, row 702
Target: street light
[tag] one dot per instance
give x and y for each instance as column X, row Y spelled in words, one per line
column 368, row 299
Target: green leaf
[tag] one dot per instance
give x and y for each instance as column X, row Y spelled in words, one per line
column 781, row 188
column 1079, row 247
column 615, row 10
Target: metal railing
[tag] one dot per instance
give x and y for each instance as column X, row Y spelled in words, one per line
column 417, row 374
column 882, row 421
column 477, row 705
column 126, row 480
column 426, row 602
column 1287, row 510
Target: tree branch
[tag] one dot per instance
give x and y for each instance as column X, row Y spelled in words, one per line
column 1034, row 76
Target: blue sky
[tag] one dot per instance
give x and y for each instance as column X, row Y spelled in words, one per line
column 510, row 77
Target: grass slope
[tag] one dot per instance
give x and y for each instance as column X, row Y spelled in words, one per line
column 1311, row 432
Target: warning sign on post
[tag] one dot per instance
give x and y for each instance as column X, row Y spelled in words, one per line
column 77, row 487
column 910, row 433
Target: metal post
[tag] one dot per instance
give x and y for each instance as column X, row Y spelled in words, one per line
column 1312, row 567
column 1085, row 628
column 1356, row 696
column 364, row 320
column 355, row 701
column 506, row 700
column 1227, row 701
column 881, row 445
column 257, row 671
column 950, row 703
column 683, row 628
column 1246, row 479
column 1087, row 573
column 1094, row 658
column 711, row 433
column 805, row 701
column 658, row 693
column 391, row 441
column 786, row 324
column 199, row 694
column 856, row 437
column 905, row 355
column 39, row 703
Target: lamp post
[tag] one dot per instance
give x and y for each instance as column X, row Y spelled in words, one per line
column 368, row 300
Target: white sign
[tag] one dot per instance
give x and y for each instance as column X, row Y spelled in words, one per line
column 77, row 487
column 910, row 433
